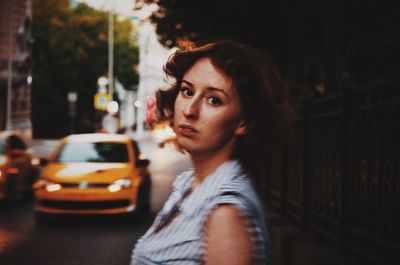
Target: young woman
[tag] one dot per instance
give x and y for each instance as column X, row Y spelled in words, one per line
column 229, row 110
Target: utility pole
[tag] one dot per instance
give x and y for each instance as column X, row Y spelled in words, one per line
column 144, row 76
column 10, row 65
column 111, row 51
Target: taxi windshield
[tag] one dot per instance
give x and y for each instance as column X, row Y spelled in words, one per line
column 93, row 152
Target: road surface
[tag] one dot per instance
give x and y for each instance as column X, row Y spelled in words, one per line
column 85, row 240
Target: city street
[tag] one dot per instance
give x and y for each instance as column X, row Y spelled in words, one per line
column 89, row 239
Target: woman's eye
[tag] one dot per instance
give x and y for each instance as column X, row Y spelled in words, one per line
column 214, row 101
column 186, row 92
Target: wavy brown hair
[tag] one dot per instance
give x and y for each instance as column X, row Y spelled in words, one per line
column 262, row 93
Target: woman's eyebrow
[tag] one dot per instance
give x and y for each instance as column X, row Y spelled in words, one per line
column 187, row 82
column 208, row 88
column 218, row 90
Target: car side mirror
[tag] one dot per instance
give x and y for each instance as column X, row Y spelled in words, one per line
column 142, row 163
column 43, row 161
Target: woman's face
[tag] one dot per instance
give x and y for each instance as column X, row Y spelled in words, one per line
column 207, row 115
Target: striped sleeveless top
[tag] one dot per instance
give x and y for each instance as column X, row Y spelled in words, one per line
column 182, row 241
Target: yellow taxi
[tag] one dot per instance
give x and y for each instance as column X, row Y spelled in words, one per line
column 93, row 174
column 18, row 167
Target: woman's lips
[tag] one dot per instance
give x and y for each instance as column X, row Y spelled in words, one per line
column 187, row 130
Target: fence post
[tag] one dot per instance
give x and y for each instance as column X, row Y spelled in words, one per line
column 284, row 179
column 345, row 181
column 306, row 161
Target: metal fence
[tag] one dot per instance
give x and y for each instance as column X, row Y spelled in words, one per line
column 339, row 175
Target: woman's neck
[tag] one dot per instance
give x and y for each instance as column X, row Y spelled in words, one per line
column 204, row 165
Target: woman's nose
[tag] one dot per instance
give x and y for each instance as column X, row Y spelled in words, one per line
column 191, row 110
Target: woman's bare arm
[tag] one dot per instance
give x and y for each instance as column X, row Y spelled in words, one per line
column 227, row 238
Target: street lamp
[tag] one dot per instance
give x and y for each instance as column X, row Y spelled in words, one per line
column 102, row 81
column 72, row 98
column 10, row 65
column 111, row 51
column 138, row 103
column 112, row 107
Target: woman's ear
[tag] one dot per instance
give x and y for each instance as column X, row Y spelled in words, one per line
column 241, row 128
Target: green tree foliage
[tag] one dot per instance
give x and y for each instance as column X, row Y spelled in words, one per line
column 70, row 53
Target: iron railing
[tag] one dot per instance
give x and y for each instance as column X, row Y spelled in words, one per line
column 339, row 174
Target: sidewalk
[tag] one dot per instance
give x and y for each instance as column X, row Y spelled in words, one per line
column 145, row 136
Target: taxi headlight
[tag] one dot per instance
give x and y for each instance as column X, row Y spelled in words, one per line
column 3, row 160
column 53, row 187
column 35, row 161
column 47, row 185
column 120, row 184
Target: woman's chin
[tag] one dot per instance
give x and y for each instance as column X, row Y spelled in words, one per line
column 187, row 147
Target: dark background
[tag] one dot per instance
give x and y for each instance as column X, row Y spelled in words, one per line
column 339, row 175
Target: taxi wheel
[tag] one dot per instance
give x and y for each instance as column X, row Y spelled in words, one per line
column 29, row 194
column 144, row 198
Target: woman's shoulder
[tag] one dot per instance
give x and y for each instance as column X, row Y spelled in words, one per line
column 239, row 191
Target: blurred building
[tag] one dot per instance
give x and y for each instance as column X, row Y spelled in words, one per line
column 151, row 75
column 153, row 56
column 15, row 65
